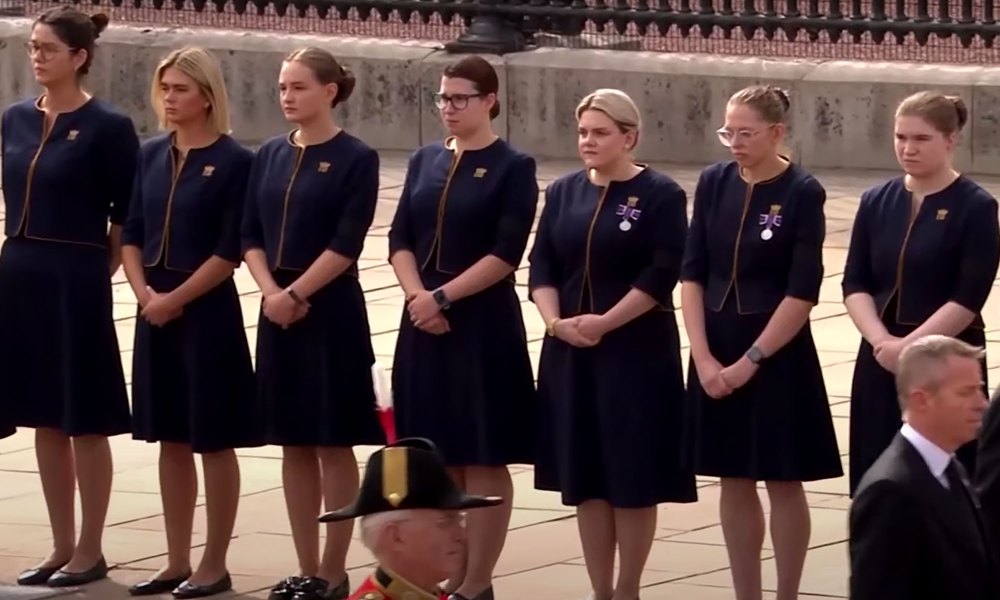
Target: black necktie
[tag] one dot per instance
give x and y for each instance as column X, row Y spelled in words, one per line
column 956, row 482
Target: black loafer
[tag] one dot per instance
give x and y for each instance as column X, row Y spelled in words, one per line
column 152, row 587
column 38, row 575
column 63, row 578
column 190, row 590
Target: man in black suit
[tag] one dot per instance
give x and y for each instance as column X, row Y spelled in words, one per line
column 987, row 478
column 915, row 525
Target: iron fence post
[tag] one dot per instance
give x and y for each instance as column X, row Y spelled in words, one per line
column 488, row 33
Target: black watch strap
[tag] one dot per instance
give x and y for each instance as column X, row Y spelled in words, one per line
column 441, row 299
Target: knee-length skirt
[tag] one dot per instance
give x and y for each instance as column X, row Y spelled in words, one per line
column 314, row 378
column 471, row 391
column 192, row 379
column 777, row 427
column 614, row 421
column 60, row 365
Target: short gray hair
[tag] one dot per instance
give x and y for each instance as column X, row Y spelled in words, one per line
column 921, row 362
column 372, row 526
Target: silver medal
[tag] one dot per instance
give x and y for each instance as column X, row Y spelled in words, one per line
column 766, row 234
column 624, row 226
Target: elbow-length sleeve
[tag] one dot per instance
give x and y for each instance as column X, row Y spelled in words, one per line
column 359, row 212
column 119, row 156
column 980, row 255
column 694, row 266
column 806, row 273
column 401, row 234
column 543, row 268
column 858, row 276
column 520, row 202
column 251, row 228
column 228, row 247
column 134, row 231
column 669, row 216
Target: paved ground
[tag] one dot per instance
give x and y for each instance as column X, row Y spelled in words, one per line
column 542, row 559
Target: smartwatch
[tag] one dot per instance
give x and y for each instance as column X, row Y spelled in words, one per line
column 441, row 299
column 755, row 355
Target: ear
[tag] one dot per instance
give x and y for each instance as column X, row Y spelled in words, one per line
column 631, row 140
column 779, row 132
column 79, row 58
column 950, row 141
column 332, row 89
column 918, row 401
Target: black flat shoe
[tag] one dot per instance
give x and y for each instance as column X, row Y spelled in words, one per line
column 190, row 590
column 486, row 594
column 38, row 575
column 66, row 579
column 152, row 587
column 286, row 588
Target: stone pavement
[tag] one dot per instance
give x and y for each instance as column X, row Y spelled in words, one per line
column 542, row 559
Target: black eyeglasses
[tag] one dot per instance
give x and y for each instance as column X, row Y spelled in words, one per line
column 458, row 101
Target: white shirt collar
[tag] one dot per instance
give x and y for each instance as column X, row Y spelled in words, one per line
column 937, row 459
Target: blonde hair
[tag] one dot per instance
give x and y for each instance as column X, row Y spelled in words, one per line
column 921, row 362
column 201, row 66
column 947, row 114
column 770, row 103
column 617, row 105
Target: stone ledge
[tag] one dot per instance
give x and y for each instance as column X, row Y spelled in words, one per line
column 841, row 118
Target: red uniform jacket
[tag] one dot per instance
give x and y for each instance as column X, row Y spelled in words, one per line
column 383, row 585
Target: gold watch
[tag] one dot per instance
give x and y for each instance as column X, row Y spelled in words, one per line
column 550, row 328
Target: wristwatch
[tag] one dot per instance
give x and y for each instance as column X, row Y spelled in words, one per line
column 755, row 355
column 441, row 299
column 298, row 299
column 550, row 327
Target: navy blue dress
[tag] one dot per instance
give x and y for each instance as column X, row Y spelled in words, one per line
column 470, row 390
column 749, row 247
column 314, row 378
column 912, row 266
column 61, row 186
column 192, row 379
column 613, row 422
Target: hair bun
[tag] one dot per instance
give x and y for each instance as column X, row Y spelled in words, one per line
column 961, row 109
column 782, row 95
column 100, row 21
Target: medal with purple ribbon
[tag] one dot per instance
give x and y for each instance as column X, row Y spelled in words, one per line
column 628, row 212
column 769, row 221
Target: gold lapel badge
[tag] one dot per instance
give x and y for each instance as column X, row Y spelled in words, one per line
column 72, row 134
column 323, row 166
column 942, row 213
column 207, row 171
column 480, row 172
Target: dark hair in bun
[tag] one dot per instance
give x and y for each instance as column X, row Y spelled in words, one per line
column 947, row 114
column 482, row 75
column 326, row 70
column 76, row 29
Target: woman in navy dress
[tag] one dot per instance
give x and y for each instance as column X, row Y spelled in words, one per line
column 68, row 166
column 922, row 260
column 752, row 273
column 310, row 201
column 192, row 377
column 462, row 376
column 604, row 265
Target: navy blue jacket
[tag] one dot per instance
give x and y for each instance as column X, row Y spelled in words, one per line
column 64, row 184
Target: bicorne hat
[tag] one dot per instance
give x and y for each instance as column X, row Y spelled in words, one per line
column 406, row 475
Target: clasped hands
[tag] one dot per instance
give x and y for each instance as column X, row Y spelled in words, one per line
column 425, row 314
column 159, row 309
column 581, row 331
column 282, row 309
column 886, row 351
column 718, row 381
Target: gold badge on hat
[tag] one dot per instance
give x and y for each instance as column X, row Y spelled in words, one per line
column 394, row 475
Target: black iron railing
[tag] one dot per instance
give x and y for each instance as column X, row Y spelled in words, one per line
column 932, row 30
